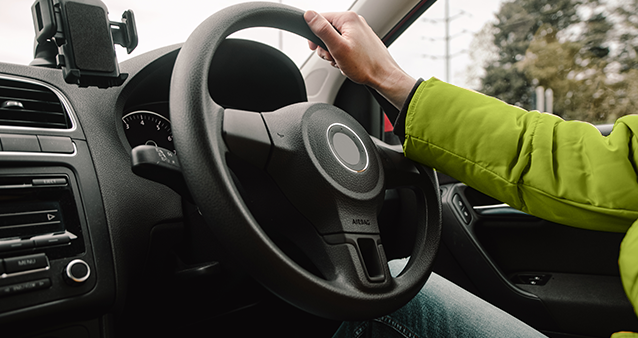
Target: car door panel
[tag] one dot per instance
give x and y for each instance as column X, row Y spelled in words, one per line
column 505, row 253
column 491, row 284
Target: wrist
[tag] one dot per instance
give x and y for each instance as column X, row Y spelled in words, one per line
column 395, row 87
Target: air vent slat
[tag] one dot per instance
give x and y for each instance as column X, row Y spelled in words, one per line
column 32, row 124
column 25, row 104
column 33, row 90
column 28, row 111
column 4, row 98
column 28, row 94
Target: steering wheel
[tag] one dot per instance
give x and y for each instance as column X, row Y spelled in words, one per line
column 321, row 160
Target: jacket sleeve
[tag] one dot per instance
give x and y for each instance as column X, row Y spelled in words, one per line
column 562, row 171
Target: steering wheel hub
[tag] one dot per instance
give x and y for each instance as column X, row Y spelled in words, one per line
column 347, row 147
column 305, row 155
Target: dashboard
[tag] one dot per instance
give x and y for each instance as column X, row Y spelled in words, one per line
column 80, row 234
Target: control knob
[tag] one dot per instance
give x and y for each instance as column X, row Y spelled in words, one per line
column 77, row 272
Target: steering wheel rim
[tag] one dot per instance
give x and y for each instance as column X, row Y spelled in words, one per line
column 201, row 131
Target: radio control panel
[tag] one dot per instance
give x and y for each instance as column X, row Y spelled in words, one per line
column 44, row 253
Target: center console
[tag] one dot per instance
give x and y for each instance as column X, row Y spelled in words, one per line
column 44, row 244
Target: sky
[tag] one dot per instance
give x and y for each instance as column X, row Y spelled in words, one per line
column 160, row 23
column 421, row 49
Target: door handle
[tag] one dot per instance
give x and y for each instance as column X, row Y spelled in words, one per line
column 496, row 209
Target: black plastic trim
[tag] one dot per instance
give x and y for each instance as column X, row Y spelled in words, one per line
column 407, row 21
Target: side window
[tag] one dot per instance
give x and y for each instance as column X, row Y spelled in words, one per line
column 575, row 59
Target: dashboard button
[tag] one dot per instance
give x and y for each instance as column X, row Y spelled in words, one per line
column 49, row 181
column 25, row 263
column 52, row 240
column 15, row 244
column 14, row 142
column 25, row 287
column 56, row 144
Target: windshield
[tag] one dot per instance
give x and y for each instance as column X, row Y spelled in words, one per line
column 159, row 23
column 572, row 58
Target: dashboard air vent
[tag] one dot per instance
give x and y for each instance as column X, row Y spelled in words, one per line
column 25, row 104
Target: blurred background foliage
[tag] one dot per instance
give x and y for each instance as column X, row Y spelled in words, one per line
column 585, row 51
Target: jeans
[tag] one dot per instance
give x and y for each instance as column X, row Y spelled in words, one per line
column 440, row 309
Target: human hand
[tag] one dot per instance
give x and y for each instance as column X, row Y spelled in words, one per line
column 357, row 51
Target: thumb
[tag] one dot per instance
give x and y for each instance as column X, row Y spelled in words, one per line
column 322, row 28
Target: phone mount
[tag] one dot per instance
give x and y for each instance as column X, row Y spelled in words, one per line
column 77, row 36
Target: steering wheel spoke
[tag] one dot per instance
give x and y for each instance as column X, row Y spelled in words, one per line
column 246, row 136
column 399, row 170
column 361, row 257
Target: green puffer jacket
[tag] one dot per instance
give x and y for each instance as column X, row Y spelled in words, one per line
column 561, row 171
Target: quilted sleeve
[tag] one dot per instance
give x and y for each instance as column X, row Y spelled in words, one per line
column 562, row 171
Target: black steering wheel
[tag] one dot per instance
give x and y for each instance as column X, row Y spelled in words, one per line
column 321, row 160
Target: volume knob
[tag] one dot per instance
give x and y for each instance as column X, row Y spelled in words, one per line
column 77, row 272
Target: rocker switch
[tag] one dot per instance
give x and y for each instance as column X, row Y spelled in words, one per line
column 461, row 208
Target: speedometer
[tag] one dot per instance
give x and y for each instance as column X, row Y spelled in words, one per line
column 144, row 127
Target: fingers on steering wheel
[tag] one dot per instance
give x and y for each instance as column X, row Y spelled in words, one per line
column 327, row 57
column 324, row 54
